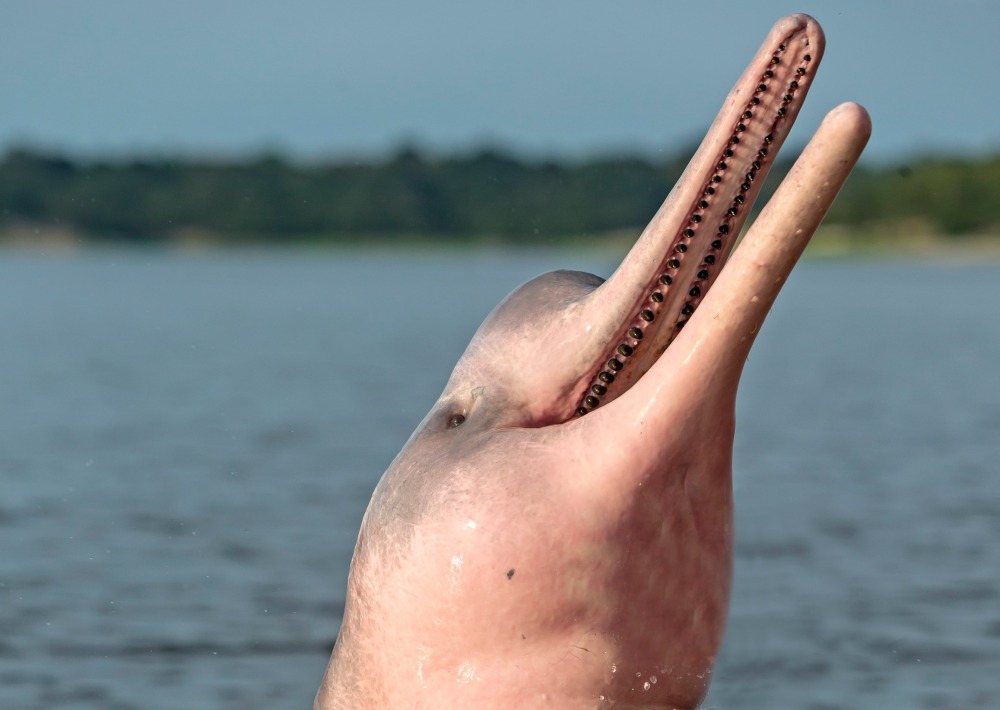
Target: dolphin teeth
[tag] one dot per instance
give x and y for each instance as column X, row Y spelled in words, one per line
column 740, row 163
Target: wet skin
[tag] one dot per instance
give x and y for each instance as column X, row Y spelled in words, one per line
column 557, row 532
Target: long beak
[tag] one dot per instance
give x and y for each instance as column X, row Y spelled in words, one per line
column 642, row 308
column 701, row 370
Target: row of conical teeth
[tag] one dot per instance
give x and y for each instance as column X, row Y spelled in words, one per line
column 633, row 336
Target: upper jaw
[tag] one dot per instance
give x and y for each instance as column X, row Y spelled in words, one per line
column 564, row 344
column 664, row 277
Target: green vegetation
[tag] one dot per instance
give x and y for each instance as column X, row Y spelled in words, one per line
column 489, row 193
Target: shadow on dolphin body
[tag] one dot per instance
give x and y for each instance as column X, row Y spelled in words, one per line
column 557, row 532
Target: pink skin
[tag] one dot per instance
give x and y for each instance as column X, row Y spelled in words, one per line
column 519, row 555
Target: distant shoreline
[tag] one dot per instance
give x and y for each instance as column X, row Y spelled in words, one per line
column 830, row 243
column 488, row 197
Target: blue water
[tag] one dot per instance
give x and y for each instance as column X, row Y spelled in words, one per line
column 187, row 445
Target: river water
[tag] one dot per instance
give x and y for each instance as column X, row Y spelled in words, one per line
column 187, row 445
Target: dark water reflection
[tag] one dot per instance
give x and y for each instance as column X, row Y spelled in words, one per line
column 187, row 446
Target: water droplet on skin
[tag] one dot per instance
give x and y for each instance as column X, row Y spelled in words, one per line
column 455, row 574
column 646, row 685
column 466, row 673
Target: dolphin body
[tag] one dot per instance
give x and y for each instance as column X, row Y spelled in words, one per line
column 557, row 532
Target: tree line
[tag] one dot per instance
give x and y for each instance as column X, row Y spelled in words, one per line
column 485, row 193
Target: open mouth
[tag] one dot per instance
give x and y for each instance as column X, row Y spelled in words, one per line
column 662, row 281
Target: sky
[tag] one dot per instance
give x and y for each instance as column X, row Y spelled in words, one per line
column 322, row 79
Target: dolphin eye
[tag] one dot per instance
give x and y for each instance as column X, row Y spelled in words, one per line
column 456, row 420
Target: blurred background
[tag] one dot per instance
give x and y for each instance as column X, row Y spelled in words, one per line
column 252, row 122
column 242, row 245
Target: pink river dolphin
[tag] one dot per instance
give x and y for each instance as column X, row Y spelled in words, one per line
column 557, row 532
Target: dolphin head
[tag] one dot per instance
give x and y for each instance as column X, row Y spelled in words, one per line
column 558, row 530
column 566, row 343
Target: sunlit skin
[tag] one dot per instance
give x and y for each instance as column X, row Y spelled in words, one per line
column 557, row 533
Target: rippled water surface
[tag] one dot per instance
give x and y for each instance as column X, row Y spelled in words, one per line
column 187, row 446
